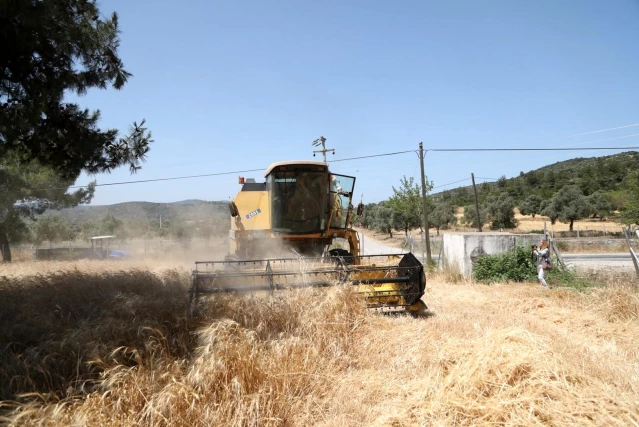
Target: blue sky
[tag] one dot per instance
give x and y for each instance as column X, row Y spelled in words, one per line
column 233, row 85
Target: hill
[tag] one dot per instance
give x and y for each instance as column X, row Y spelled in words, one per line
column 606, row 173
column 187, row 210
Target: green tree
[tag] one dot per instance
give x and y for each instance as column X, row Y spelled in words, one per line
column 470, row 216
column 51, row 228
column 568, row 204
column 545, row 210
column 384, row 220
column 89, row 229
column 29, row 189
column 600, row 203
column 109, row 224
column 368, row 216
column 399, row 222
column 442, row 215
column 48, row 50
column 406, row 202
column 113, row 226
column 501, row 211
column 531, row 206
column 17, row 231
column 630, row 214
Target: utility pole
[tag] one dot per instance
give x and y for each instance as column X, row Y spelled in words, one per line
column 322, row 141
column 472, row 175
column 425, row 219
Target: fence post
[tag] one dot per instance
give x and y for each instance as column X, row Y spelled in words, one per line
column 555, row 249
column 632, row 253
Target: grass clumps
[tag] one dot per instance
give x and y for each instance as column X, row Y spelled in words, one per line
column 60, row 329
column 511, row 376
column 119, row 348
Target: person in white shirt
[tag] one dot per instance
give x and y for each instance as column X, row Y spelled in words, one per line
column 541, row 253
column 335, row 187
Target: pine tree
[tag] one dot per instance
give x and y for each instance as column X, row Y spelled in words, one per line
column 47, row 50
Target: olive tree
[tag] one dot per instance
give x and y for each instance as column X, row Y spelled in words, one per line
column 531, row 205
column 568, row 205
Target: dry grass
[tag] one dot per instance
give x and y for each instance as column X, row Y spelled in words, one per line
column 29, row 268
column 593, row 246
column 117, row 348
column 528, row 223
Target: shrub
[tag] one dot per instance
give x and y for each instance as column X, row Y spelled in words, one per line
column 521, row 266
column 518, row 266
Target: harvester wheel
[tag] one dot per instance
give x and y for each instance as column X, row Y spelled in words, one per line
column 342, row 253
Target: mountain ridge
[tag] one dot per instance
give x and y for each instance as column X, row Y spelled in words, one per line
column 192, row 209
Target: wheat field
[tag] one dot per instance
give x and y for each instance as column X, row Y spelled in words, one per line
column 112, row 344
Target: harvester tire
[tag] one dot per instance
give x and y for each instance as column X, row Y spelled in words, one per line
column 342, row 253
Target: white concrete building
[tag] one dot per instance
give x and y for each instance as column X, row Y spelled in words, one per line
column 461, row 249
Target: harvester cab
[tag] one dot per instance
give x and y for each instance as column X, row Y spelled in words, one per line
column 295, row 230
column 300, row 208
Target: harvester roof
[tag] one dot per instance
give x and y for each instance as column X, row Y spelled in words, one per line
column 293, row 163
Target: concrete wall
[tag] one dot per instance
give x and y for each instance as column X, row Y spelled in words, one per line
column 461, row 249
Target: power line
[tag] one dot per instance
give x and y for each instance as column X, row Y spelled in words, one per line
column 373, row 155
column 214, row 174
column 343, row 160
column 408, row 151
column 597, row 131
column 153, row 180
column 450, row 183
column 532, row 149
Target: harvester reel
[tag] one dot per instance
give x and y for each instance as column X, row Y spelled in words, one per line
column 380, row 279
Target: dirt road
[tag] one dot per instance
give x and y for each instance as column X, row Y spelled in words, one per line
column 371, row 246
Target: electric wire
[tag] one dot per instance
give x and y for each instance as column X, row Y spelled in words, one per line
column 371, row 156
column 597, row 131
column 343, row 160
column 152, row 180
column 450, row 183
column 532, row 149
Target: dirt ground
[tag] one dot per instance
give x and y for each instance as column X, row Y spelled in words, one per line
column 528, row 223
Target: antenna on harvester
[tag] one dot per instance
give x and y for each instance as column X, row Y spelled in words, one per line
column 322, row 141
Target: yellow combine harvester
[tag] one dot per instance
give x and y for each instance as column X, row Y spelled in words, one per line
column 283, row 235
